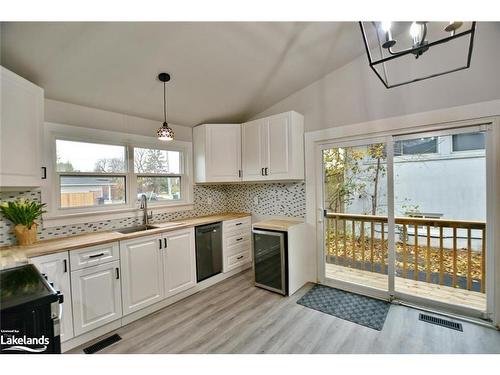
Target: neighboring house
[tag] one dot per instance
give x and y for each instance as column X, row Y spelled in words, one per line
column 87, row 191
column 438, row 177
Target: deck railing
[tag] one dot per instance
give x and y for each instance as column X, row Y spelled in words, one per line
column 442, row 251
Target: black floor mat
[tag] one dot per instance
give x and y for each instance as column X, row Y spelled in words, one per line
column 366, row 311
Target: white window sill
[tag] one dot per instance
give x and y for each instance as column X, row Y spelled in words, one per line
column 58, row 219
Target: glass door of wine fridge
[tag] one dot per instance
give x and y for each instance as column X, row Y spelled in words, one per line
column 270, row 261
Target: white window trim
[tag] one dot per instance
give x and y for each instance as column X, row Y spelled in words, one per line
column 50, row 189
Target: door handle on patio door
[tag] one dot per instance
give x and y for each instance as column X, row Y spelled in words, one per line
column 321, row 215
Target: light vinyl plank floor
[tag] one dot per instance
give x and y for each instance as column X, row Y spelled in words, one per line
column 236, row 317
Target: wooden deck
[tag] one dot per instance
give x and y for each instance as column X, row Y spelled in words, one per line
column 422, row 289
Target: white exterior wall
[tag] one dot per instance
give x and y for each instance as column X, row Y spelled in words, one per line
column 450, row 184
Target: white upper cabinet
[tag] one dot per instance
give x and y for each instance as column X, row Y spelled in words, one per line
column 179, row 261
column 253, row 150
column 217, row 153
column 273, row 148
column 268, row 149
column 20, row 131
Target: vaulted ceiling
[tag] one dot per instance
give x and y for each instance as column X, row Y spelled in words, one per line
column 221, row 71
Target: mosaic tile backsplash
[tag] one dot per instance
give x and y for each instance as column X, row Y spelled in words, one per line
column 276, row 199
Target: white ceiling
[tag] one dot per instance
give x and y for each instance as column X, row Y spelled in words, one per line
column 221, row 72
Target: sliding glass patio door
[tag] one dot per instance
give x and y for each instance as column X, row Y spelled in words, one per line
column 440, row 217
column 405, row 217
column 356, row 222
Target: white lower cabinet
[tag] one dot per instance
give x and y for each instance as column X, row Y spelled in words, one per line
column 56, row 268
column 179, row 261
column 103, row 283
column 96, row 296
column 142, row 272
column 156, row 267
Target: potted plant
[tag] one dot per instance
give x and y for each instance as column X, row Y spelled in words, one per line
column 22, row 214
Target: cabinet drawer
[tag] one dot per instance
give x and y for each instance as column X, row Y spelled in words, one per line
column 94, row 255
column 236, row 225
column 236, row 239
column 236, row 260
column 238, row 248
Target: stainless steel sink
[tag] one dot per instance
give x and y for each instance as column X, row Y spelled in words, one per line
column 139, row 228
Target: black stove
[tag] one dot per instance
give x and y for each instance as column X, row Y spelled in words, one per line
column 29, row 312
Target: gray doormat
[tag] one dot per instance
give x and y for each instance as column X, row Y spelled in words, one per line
column 366, row 311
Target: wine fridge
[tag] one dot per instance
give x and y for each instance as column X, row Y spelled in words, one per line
column 270, row 260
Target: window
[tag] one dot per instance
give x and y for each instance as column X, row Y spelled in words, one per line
column 158, row 174
column 90, row 174
column 416, row 146
column 468, row 142
column 104, row 174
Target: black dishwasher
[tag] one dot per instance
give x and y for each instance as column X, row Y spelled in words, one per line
column 208, row 250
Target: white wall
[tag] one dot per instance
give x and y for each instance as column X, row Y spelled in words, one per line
column 451, row 184
column 77, row 115
column 353, row 94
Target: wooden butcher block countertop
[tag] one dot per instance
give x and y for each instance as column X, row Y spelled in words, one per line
column 16, row 255
column 277, row 224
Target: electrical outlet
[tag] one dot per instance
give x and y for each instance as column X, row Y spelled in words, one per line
column 256, row 200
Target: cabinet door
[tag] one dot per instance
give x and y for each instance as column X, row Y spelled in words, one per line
column 142, row 273
column 254, row 150
column 56, row 267
column 223, row 147
column 20, row 126
column 278, row 147
column 96, row 296
column 179, row 261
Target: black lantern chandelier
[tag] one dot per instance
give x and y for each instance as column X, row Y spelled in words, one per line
column 404, row 52
column 165, row 133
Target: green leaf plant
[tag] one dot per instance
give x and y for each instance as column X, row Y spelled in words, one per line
column 22, row 212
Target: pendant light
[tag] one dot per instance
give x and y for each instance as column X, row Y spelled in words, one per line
column 165, row 133
column 389, row 57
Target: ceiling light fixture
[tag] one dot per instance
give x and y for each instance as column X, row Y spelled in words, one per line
column 382, row 49
column 165, row 133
